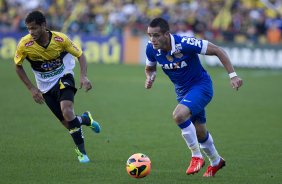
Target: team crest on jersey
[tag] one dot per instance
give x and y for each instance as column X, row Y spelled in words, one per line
column 169, row 58
column 30, row 43
column 58, row 39
column 178, row 47
column 177, row 54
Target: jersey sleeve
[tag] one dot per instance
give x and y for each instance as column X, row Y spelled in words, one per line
column 20, row 55
column 150, row 60
column 194, row 45
column 71, row 47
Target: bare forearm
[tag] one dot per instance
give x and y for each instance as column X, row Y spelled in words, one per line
column 83, row 66
column 35, row 92
column 84, row 81
column 150, row 72
column 24, row 78
column 222, row 56
column 149, row 69
column 235, row 81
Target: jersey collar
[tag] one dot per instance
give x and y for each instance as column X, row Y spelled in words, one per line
column 172, row 42
column 49, row 41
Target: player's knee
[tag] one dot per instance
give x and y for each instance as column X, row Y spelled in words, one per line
column 179, row 117
column 181, row 114
column 68, row 113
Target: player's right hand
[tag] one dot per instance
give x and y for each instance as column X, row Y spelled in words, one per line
column 37, row 95
column 150, row 78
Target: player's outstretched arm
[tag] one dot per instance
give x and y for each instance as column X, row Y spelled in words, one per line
column 84, row 81
column 35, row 92
column 235, row 81
column 150, row 72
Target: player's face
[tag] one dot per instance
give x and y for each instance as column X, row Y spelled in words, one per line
column 159, row 39
column 35, row 30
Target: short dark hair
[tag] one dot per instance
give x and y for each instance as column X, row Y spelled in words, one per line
column 160, row 22
column 36, row 16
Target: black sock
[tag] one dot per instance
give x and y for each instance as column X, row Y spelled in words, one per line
column 81, row 148
column 77, row 135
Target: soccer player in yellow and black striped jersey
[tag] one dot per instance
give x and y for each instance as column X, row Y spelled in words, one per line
column 51, row 55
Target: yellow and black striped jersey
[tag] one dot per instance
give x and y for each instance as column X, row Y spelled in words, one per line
column 48, row 63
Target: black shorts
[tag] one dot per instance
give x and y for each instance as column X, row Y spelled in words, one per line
column 64, row 89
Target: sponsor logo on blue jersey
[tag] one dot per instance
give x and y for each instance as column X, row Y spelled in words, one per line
column 175, row 65
column 192, row 41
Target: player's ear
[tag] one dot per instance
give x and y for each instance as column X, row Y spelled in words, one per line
column 166, row 34
column 43, row 24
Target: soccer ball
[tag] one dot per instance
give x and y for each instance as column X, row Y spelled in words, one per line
column 138, row 165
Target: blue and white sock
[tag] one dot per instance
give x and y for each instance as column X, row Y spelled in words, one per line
column 209, row 149
column 189, row 134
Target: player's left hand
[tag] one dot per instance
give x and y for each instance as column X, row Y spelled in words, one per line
column 236, row 82
column 85, row 83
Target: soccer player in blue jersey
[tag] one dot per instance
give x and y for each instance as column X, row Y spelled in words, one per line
column 178, row 58
column 51, row 57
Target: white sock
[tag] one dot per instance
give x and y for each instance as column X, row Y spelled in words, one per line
column 190, row 137
column 210, row 150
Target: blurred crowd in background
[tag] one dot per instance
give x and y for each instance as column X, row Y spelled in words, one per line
column 239, row 21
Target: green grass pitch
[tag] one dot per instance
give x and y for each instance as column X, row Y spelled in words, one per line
column 246, row 126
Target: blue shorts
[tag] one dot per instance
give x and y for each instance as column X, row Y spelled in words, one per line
column 196, row 99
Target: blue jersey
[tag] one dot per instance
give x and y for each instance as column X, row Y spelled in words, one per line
column 182, row 64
